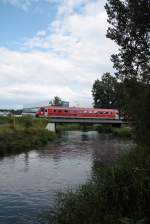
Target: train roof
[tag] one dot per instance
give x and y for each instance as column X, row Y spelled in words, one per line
column 79, row 108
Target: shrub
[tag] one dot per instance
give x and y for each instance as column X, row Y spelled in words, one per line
column 20, row 140
column 103, row 128
column 126, row 132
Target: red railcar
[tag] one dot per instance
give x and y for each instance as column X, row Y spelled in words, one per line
column 76, row 112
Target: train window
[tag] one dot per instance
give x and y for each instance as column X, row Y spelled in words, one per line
column 59, row 110
column 66, row 111
column 54, row 110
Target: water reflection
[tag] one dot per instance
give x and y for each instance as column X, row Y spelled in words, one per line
column 29, row 182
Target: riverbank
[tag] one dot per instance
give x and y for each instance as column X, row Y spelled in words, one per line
column 116, row 194
column 124, row 132
column 22, row 134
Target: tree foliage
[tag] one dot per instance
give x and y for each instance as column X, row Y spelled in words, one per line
column 57, row 101
column 130, row 28
column 129, row 22
column 104, row 92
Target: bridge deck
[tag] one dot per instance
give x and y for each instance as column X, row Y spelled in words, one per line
column 86, row 121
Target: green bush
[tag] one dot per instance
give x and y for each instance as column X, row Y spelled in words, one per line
column 4, row 120
column 20, row 140
column 103, row 128
column 18, row 134
column 126, row 132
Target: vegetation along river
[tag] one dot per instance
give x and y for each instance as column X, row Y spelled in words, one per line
column 30, row 181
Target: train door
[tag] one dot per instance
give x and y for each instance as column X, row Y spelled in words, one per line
column 46, row 112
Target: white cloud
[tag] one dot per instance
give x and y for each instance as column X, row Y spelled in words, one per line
column 80, row 37
column 24, row 4
column 36, row 76
column 64, row 59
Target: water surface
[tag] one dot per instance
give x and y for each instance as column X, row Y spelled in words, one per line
column 29, row 181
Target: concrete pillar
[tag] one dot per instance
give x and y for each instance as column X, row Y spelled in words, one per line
column 51, row 127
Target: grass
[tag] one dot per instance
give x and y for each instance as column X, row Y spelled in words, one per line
column 125, row 132
column 116, row 194
column 103, row 128
column 21, row 134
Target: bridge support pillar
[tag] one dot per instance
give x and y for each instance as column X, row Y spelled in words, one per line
column 51, row 127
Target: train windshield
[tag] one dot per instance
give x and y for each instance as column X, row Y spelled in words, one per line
column 42, row 109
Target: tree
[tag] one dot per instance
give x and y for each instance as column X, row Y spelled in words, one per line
column 57, row 101
column 105, row 92
column 130, row 28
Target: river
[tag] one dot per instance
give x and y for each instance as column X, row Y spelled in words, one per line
column 30, row 181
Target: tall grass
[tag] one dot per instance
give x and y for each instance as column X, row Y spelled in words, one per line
column 19, row 134
column 125, row 132
column 23, row 121
column 116, row 194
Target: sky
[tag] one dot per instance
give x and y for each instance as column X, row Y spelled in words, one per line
column 52, row 48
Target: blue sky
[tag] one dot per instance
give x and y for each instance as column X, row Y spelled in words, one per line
column 52, row 47
column 18, row 23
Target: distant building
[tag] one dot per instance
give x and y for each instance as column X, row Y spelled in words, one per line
column 65, row 103
column 30, row 111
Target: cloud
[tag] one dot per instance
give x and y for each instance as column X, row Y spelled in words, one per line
column 78, row 36
column 64, row 59
column 23, row 4
column 36, row 76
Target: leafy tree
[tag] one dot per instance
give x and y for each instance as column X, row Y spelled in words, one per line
column 130, row 28
column 57, row 101
column 104, row 92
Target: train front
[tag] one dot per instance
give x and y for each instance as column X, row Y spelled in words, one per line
column 40, row 112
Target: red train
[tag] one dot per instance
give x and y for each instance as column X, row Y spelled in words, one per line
column 76, row 112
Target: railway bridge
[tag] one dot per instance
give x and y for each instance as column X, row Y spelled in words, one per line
column 51, row 126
